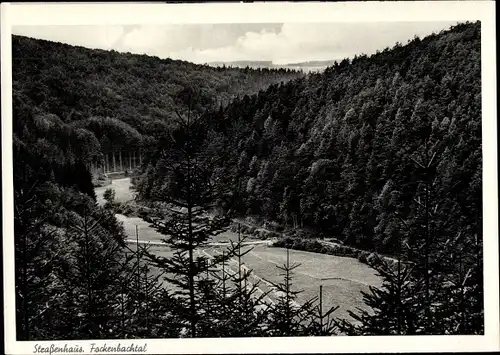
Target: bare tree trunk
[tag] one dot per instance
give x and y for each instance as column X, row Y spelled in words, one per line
column 115, row 169
column 398, row 307
column 191, row 272
column 138, row 256
column 427, row 238
column 25, row 288
column 122, row 323
column 223, row 277
column 287, row 294
column 239, row 259
column 321, row 307
column 146, row 299
column 191, row 245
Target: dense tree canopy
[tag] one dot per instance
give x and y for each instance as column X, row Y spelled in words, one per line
column 339, row 151
column 76, row 83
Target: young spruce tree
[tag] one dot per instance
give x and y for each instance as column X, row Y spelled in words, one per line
column 188, row 195
column 289, row 318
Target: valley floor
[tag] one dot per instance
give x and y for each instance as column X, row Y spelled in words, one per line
column 342, row 278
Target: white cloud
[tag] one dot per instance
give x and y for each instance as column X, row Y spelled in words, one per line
column 286, row 43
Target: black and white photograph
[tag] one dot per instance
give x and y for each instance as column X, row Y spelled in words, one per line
column 317, row 180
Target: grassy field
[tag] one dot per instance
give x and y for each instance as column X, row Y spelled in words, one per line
column 144, row 230
column 342, row 278
column 122, row 189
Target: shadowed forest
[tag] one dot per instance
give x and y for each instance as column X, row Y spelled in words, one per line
column 381, row 154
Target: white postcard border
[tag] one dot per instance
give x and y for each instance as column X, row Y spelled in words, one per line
column 98, row 14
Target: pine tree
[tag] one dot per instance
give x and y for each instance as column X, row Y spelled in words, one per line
column 185, row 220
column 91, row 290
column 423, row 292
column 142, row 308
column 288, row 317
column 246, row 305
column 36, row 246
column 392, row 309
column 321, row 321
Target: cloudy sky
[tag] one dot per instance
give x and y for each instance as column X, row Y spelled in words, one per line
column 203, row 43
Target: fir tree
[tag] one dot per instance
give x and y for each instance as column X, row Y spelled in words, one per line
column 288, row 317
column 392, row 309
column 423, row 292
column 147, row 306
column 91, row 290
column 36, row 247
column 185, row 219
column 245, row 305
column 321, row 320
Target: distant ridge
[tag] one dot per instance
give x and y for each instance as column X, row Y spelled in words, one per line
column 315, row 65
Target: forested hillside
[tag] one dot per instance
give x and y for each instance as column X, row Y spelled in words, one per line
column 86, row 102
column 346, row 152
column 76, row 83
column 71, row 105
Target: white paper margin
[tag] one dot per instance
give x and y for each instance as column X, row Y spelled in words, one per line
column 121, row 14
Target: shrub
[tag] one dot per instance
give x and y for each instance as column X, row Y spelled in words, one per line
column 262, row 234
column 233, row 227
column 371, row 259
column 363, row 256
column 274, row 235
column 143, row 214
column 109, row 197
